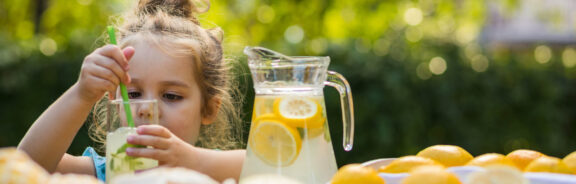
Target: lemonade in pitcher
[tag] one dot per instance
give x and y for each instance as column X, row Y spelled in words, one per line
column 295, row 127
column 289, row 136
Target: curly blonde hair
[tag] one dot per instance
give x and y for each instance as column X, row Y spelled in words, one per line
column 173, row 27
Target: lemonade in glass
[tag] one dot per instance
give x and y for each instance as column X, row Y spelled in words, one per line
column 144, row 112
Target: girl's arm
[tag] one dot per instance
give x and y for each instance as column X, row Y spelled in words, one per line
column 221, row 165
column 76, row 164
column 52, row 133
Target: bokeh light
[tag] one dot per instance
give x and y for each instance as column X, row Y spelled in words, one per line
column 413, row 34
column 48, row 46
column 467, row 33
column 266, row 14
column 479, row 63
column 569, row 57
column 413, row 16
column 437, row 65
column 317, row 46
column 294, row 34
column 542, row 54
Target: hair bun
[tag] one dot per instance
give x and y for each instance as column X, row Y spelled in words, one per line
column 179, row 8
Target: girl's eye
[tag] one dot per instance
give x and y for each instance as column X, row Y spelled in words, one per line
column 134, row 94
column 172, row 96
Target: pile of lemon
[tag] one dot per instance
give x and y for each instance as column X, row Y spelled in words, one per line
column 17, row 167
column 429, row 166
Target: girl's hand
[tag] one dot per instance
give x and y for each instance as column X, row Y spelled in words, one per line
column 168, row 149
column 102, row 71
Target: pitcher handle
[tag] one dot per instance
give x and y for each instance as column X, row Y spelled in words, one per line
column 341, row 84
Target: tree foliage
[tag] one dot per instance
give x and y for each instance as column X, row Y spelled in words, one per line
column 419, row 70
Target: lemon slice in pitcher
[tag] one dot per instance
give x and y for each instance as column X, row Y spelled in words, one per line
column 275, row 143
column 299, row 112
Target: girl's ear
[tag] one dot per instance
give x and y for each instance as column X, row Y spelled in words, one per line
column 214, row 106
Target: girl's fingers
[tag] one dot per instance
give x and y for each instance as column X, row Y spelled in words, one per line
column 155, row 130
column 104, row 84
column 149, row 140
column 128, row 52
column 111, row 65
column 152, row 153
column 114, row 52
column 104, row 73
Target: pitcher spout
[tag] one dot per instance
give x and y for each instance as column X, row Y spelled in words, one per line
column 261, row 53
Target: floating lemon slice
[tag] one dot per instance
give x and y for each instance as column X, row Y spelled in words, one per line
column 255, row 120
column 275, row 143
column 299, row 112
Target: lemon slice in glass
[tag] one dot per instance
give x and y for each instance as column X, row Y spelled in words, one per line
column 275, row 143
column 255, row 120
column 299, row 112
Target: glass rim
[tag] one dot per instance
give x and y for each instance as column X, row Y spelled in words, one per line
column 294, row 60
column 298, row 59
column 120, row 101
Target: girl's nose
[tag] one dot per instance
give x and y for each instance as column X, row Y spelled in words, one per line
column 147, row 113
column 144, row 111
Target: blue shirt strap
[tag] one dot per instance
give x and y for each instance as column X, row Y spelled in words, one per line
column 99, row 163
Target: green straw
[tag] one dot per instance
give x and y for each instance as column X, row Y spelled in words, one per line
column 123, row 90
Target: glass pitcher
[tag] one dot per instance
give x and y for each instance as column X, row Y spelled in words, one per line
column 289, row 136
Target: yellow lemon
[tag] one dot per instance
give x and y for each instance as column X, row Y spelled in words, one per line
column 491, row 159
column 299, row 112
column 406, row 164
column 497, row 174
column 275, row 143
column 570, row 161
column 447, row 155
column 431, row 175
column 17, row 167
column 255, row 120
column 548, row 164
column 523, row 157
column 356, row 173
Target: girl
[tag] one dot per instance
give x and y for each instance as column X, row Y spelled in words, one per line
column 164, row 54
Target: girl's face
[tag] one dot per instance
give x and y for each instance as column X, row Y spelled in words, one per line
column 170, row 80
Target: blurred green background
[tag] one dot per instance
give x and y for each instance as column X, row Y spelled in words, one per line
column 488, row 76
